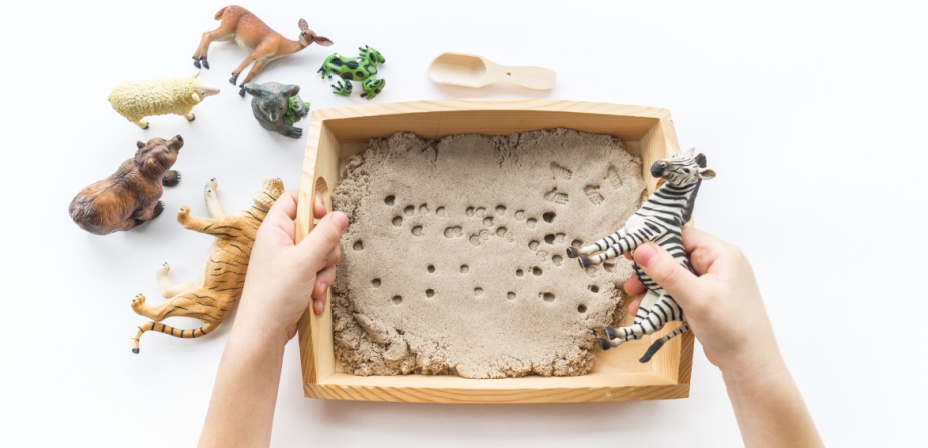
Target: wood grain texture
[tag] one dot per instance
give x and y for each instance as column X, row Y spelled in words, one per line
column 336, row 134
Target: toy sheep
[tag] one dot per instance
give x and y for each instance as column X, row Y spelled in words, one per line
column 132, row 194
column 137, row 100
column 277, row 106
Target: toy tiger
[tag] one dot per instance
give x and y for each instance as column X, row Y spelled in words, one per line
column 221, row 283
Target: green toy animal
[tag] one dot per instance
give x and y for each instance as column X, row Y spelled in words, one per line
column 363, row 68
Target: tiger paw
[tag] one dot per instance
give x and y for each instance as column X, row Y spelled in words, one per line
column 164, row 269
column 183, row 214
column 138, row 302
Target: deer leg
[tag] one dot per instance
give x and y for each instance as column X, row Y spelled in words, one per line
column 255, row 69
column 238, row 70
column 168, row 289
column 209, row 37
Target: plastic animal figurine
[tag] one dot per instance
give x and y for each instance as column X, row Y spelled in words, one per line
column 252, row 34
column 221, row 283
column 132, row 194
column 137, row 100
column 363, row 69
column 660, row 219
column 277, row 106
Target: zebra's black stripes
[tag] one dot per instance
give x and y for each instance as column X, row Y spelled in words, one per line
column 660, row 219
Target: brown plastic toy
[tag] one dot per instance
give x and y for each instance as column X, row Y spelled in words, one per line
column 252, row 34
column 132, row 194
column 220, row 285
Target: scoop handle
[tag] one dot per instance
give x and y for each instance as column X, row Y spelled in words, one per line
column 538, row 78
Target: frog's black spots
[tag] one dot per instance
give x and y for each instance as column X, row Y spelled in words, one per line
column 612, row 175
column 358, row 245
column 559, row 172
column 556, row 197
column 593, row 194
column 389, row 200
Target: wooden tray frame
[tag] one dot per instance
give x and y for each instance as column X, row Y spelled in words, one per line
column 337, row 134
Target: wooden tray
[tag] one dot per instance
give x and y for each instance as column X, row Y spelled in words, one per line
column 337, row 134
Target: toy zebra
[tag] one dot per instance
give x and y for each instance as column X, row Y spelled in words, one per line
column 660, row 219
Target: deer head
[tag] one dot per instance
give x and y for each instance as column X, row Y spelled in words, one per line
column 308, row 36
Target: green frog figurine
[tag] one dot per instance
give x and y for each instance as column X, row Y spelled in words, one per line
column 363, row 68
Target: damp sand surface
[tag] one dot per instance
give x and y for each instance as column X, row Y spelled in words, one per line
column 454, row 262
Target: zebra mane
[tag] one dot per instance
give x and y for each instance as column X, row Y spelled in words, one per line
column 691, row 202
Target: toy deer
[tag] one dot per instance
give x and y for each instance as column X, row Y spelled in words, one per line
column 252, row 34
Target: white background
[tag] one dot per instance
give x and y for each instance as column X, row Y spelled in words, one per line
column 812, row 113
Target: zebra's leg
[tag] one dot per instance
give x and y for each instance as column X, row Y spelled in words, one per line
column 647, row 321
column 168, row 289
column 660, row 342
column 600, row 245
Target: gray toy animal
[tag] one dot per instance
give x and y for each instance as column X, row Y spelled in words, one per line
column 132, row 194
column 276, row 107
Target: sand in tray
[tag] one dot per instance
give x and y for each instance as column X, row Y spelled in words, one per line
column 454, row 262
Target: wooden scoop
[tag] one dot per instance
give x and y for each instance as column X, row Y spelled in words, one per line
column 477, row 71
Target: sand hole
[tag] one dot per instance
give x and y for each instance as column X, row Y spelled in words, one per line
column 549, row 238
column 520, row 215
column 389, row 200
column 358, row 245
column 475, row 240
column 488, row 221
column 409, row 210
column 519, row 273
column 375, row 282
column 547, row 296
column 481, row 212
column 430, row 293
column 440, row 211
column 469, row 211
column 559, row 238
column 581, row 308
column 397, row 221
column 424, row 208
column 537, row 271
column 576, row 244
column 541, row 255
column 464, row 268
column 531, row 222
column 501, row 232
column 397, row 300
column 511, row 295
column 500, row 209
column 609, row 267
column 533, row 245
column 594, row 288
column 557, row 259
column 417, row 230
column 478, row 291
column 431, row 268
column 548, row 217
column 591, row 271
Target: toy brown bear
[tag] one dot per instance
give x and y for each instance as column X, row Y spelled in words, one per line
column 132, row 194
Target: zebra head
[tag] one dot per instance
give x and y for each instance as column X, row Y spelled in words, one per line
column 682, row 169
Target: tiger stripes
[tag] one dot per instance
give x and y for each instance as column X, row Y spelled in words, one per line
column 220, row 285
column 660, row 219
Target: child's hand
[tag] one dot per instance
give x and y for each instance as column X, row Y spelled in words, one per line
column 282, row 276
column 723, row 306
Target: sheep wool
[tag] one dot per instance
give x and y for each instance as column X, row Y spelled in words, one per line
column 140, row 99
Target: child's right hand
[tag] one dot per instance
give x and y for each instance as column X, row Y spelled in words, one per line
column 723, row 305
